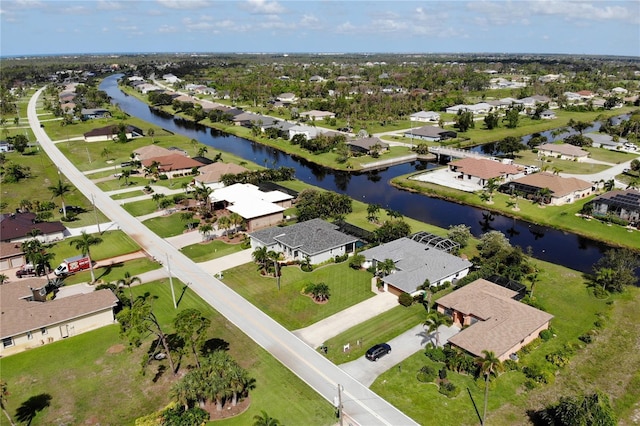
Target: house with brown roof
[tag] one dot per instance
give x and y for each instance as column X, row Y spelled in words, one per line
column 430, row 133
column 494, row 320
column 151, row 151
column 109, row 133
column 622, row 204
column 11, row 256
column 16, row 227
column 482, row 169
column 211, row 174
column 564, row 151
column 367, row 145
column 563, row 190
column 28, row 320
column 173, row 164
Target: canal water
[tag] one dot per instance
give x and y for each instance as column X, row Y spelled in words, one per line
column 548, row 244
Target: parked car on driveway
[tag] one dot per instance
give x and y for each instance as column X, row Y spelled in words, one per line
column 72, row 209
column 378, row 351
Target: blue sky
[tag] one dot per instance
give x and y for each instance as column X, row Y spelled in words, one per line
column 29, row 27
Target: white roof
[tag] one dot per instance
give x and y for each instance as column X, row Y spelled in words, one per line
column 248, row 201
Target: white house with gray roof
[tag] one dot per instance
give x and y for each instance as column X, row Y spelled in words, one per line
column 319, row 240
column 414, row 263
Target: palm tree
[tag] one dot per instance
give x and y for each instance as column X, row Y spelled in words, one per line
column 202, row 151
column 4, row 393
column 3, row 279
column 265, row 419
column 59, row 190
column 260, row 256
column 428, row 293
column 205, row 229
column 372, row 212
column 235, row 220
column 224, row 223
column 151, row 133
column 42, row 262
column 125, row 174
column 609, row 185
column 128, row 281
column 187, row 217
column 544, row 195
column 489, row 365
column 490, row 187
column 433, row 322
column 84, row 244
column 157, row 197
column 386, row 266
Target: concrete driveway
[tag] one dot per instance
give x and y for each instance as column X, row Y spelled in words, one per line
column 402, row 347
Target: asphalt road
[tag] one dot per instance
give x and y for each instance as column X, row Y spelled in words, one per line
column 361, row 404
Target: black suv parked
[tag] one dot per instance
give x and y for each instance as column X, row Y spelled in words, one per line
column 378, row 351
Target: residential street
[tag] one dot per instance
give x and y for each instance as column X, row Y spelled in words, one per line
column 361, row 404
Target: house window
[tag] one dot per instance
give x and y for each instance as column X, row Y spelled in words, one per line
column 448, row 311
column 29, row 335
column 43, row 330
column 7, row 342
column 474, row 320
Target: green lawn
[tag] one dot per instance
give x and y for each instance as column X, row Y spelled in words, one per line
column 166, row 226
column 114, row 243
column 382, row 328
column 93, row 378
column 610, row 156
column 114, row 272
column 212, row 249
column 556, row 164
column 288, row 306
column 140, row 208
column 130, row 194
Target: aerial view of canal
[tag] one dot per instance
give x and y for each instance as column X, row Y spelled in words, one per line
column 548, row 244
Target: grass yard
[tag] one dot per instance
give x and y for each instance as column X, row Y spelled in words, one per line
column 212, row 249
column 115, row 272
column 140, row 208
column 125, row 195
column 93, row 379
column 114, row 243
column 563, row 293
column 552, row 163
column 610, row 156
column 382, row 328
column 166, row 226
column 288, row 306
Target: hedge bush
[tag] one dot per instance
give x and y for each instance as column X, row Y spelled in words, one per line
column 449, row 390
column 405, row 299
column 426, row 374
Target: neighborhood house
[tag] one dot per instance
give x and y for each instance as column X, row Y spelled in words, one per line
column 18, row 227
column 494, row 320
column 622, row 204
column 564, row 151
column 562, row 190
column 482, row 169
column 414, row 263
column 316, row 239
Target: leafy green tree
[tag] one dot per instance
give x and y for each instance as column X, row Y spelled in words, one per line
column 460, row 234
column 536, row 139
column 464, row 120
column 84, row 244
column 60, row 190
column 137, row 322
column 151, row 133
column 512, row 117
column 578, row 140
column 510, row 145
column 579, row 126
column 14, row 173
column 490, row 365
column 192, row 327
column 585, row 410
column 356, row 261
column 392, row 230
column 491, row 120
column 19, row 142
column 616, row 269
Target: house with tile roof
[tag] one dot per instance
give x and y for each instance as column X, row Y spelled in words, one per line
column 11, row 256
column 564, row 190
column 151, row 151
column 315, row 238
column 173, row 164
column 415, row 262
column 211, row 174
column 482, row 170
column 564, row 151
column 17, row 227
column 28, row 320
column 494, row 320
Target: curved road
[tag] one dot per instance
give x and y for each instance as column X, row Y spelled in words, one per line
column 360, row 404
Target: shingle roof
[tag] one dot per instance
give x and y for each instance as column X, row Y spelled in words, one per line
column 10, row 249
column 18, row 225
column 172, row 162
column 415, row 262
column 429, row 131
column 482, row 168
column 558, row 185
column 367, row 143
column 214, row 171
column 310, row 237
column 503, row 324
column 19, row 315
column 151, row 151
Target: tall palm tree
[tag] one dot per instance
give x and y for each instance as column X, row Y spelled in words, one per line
column 4, row 393
column 386, row 266
column 235, row 220
column 128, row 281
column 60, row 190
column 609, row 185
column 126, row 173
column 205, row 229
column 84, row 244
column 224, row 223
column 151, row 133
column 42, row 262
column 260, row 256
column 433, row 322
column 489, row 365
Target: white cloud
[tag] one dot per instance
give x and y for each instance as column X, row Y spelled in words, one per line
column 184, row 4
column 167, row 29
column 264, row 7
column 110, row 5
column 310, row 22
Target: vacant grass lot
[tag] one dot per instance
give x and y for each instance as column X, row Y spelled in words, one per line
column 563, row 293
column 93, row 379
column 288, row 305
column 140, row 208
column 209, row 250
column 130, row 194
column 556, row 164
column 561, row 217
column 114, row 243
column 166, row 226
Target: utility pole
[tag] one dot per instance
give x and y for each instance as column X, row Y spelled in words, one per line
column 95, row 212
column 173, row 293
column 340, row 416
